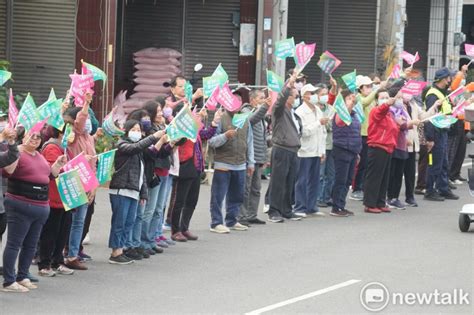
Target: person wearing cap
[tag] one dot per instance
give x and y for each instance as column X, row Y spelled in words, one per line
column 367, row 98
column 311, row 152
column 437, row 186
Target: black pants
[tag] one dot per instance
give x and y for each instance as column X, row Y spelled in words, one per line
column 376, row 179
column 410, row 173
column 460, row 154
column 361, row 169
column 422, row 167
column 397, row 167
column 87, row 221
column 53, row 239
column 282, row 182
column 3, row 224
column 184, row 197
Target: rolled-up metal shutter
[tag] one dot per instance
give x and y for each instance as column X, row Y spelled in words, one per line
column 208, row 36
column 417, row 31
column 149, row 24
column 3, row 29
column 351, row 34
column 43, row 46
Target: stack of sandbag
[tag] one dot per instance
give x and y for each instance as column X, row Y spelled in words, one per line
column 155, row 66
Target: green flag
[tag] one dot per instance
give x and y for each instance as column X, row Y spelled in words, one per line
column 183, row 126
column 52, row 95
column 188, row 91
column 442, row 121
column 274, row 81
column 350, row 81
column 285, row 48
column 97, row 73
column 218, row 78
column 341, row 110
column 105, row 166
column 238, row 120
column 71, row 190
column 221, row 74
column 359, row 110
column 4, row 76
column 110, row 128
column 28, row 115
column 52, row 109
column 66, row 135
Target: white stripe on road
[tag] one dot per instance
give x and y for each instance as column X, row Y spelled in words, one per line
column 302, row 297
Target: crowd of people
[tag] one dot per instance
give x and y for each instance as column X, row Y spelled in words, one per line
column 315, row 157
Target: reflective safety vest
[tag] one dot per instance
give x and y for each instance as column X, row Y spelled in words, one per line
column 446, row 107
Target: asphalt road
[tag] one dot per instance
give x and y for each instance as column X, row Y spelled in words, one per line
column 262, row 270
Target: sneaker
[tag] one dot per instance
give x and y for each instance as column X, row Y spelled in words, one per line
column 322, row 204
column 350, row 213
column 84, row 257
column 75, row 264
column 133, row 254
column 372, row 210
column 433, row 196
column 150, row 251
column 63, row 270
column 396, row 204
column 162, row 244
column 87, row 240
column 276, row 219
column 120, row 260
column 451, row 184
column 166, row 227
column 462, row 179
column 167, row 240
column 239, row 227
column 411, row 202
column 27, row 284
column 220, row 229
column 449, row 195
column 32, row 278
column 143, row 252
column 266, row 208
column 338, row 213
column 47, row 272
column 317, row 214
column 357, row 195
column 244, row 222
column 457, row 182
column 15, row 288
column 257, row 221
column 419, row 191
column 293, row 217
column 300, row 214
column 157, row 250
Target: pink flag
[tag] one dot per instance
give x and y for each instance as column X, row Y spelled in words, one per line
column 459, row 109
column 304, row 53
column 80, row 85
column 211, row 102
column 228, row 100
column 409, row 58
column 88, row 178
column 274, row 96
column 469, row 49
column 395, row 72
column 457, row 95
column 414, row 87
column 12, row 111
column 38, row 126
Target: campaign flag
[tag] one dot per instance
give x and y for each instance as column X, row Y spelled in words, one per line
column 228, row 100
column 188, row 91
column 12, row 111
column 303, row 54
column 4, row 76
column 70, row 190
column 395, row 72
column 184, row 125
column 109, row 127
column 413, row 87
column 97, row 74
column 38, row 126
column 105, row 166
column 458, row 100
column 51, row 109
column 469, row 49
column 211, row 102
column 285, row 48
column 52, row 95
column 442, row 121
column 274, row 81
column 28, row 115
column 409, row 58
column 80, row 85
column 274, row 97
column 88, row 179
column 238, row 120
column 67, row 134
column 350, row 81
column 218, row 78
column 359, row 110
column 328, row 62
column 341, row 110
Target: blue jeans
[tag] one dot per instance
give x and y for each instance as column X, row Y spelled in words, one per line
column 25, row 221
column 437, row 174
column 135, row 237
column 124, row 212
column 344, row 162
column 77, row 226
column 307, row 185
column 327, row 177
column 147, row 240
column 158, row 216
column 228, row 185
column 166, row 197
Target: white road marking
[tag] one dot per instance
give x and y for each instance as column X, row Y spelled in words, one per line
column 303, row 297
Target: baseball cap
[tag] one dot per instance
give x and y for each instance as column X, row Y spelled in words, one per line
column 363, row 80
column 308, row 88
column 443, row 73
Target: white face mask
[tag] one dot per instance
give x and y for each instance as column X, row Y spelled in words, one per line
column 382, row 101
column 375, row 87
column 134, row 135
column 88, row 126
column 314, row 99
column 463, row 82
column 296, row 103
column 299, row 86
column 324, row 99
column 3, row 124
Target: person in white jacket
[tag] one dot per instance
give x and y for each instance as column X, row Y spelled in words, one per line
column 313, row 149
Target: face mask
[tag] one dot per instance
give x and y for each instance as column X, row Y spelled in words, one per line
column 399, row 103
column 382, row 101
column 314, row 99
column 88, row 126
column 134, row 135
column 167, row 112
column 375, row 87
column 3, row 124
column 299, row 86
column 407, row 98
column 324, row 99
column 296, row 102
column 146, row 124
column 463, row 82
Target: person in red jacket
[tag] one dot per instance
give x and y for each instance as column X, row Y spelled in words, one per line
column 55, row 231
column 381, row 140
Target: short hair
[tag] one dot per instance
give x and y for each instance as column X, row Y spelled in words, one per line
column 380, row 91
column 129, row 124
column 174, row 81
column 254, row 93
column 72, row 112
column 345, row 93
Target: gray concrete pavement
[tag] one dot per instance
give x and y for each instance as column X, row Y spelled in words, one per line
column 416, row 250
